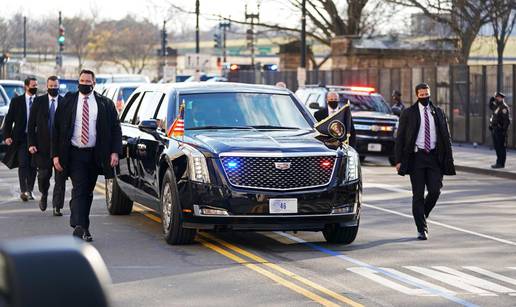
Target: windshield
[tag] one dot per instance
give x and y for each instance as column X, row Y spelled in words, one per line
column 241, row 110
column 13, row 90
column 366, row 103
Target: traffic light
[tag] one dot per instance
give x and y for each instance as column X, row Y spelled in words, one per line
column 217, row 40
column 61, row 37
column 250, row 38
column 164, row 42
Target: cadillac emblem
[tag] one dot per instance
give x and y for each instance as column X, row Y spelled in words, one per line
column 282, row 165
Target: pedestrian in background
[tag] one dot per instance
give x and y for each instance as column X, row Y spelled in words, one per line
column 15, row 133
column 499, row 125
column 87, row 142
column 41, row 124
column 397, row 105
column 423, row 151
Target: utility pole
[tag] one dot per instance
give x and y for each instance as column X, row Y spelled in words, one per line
column 303, row 34
column 251, row 37
column 24, row 37
column 301, row 71
column 197, row 12
column 224, row 25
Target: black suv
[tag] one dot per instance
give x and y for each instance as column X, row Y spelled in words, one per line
column 249, row 160
column 375, row 125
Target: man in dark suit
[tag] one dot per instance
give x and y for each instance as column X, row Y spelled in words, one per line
column 15, row 133
column 41, row 121
column 423, row 150
column 87, row 142
column 332, row 101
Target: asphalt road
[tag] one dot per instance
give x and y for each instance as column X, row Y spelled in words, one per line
column 469, row 260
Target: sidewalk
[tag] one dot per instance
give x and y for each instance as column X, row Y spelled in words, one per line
column 479, row 160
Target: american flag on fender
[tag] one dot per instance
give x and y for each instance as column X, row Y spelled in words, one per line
column 178, row 126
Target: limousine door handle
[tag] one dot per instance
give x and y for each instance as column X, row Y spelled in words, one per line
column 141, row 146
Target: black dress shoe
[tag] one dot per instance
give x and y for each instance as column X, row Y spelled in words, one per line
column 24, row 196
column 57, row 212
column 78, row 232
column 497, row 166
column 43, row 203
column 30, row 196
column 87, row 236
column 422, row 235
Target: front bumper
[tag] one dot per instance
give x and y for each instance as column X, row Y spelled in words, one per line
column 249, row 210
column 386, row 143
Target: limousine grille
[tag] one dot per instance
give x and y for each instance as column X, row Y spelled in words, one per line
column 278, row 173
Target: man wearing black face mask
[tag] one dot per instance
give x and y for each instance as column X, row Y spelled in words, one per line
column 423, row 151
column 42, row 117
column 15, row 133
column 87, row 142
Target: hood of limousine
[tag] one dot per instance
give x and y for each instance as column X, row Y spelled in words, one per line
column 276, row 141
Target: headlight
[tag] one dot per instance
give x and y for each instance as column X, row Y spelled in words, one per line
column 196, row 164
column 352, row 165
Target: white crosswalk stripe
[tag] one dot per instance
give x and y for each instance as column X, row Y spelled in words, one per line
column 454, row 278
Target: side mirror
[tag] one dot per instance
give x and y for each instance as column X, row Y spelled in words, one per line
column 148, row 125
column 31, row 269
column 314, row 106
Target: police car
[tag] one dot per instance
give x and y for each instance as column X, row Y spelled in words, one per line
column 374, row 122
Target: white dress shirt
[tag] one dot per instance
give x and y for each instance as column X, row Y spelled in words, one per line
column 332, row 111
column 27, row 104
column 420, row 141
column 77, row 127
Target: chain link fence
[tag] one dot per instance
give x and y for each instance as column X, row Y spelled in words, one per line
column 461, row 91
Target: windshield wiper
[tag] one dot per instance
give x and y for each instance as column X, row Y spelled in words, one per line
column 274, row 127
column 218, row 127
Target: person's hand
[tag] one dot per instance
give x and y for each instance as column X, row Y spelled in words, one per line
column 57, row 165
column 398, row 167
column 114, row 159
column 8, row 141
column 33, row 149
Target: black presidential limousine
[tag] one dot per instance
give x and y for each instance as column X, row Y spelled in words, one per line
column 249, row 159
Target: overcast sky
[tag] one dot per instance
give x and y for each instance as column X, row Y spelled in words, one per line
column 155, row 10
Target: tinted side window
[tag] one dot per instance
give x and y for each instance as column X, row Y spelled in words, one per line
column 129, row 112
column 148, row 106
column 162, row 114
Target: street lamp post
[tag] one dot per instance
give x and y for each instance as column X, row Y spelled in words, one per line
column 197, row 12
column 251, row 37
column 301, row 71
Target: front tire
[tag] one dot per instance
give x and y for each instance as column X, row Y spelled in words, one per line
column 334, row 233
column 171, row 220
column 116, row 201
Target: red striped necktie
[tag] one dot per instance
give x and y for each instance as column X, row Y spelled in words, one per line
column 427, row 131
column 85, row 133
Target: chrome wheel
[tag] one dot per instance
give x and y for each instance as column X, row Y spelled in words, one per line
column 109, row 191
column 166, row 208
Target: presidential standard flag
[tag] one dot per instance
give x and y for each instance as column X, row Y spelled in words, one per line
column 178, row 126
column 328, row 127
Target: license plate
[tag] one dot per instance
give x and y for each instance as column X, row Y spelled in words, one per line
column 374, row 147
column 281, row 206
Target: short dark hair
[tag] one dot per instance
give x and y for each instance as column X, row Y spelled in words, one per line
column 52, row 78
column 88, row 72
column 421, row 86
column 28, row 79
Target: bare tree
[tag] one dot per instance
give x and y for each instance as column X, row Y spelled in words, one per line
column 78, row 32
column 464, row 17
column 503, row 18
column 128, row 43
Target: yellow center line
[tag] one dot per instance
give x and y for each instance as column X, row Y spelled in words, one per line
column 141, row 209
column 280, row 269
column 314, row 297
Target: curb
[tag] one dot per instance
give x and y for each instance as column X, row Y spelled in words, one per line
column 488, row 172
